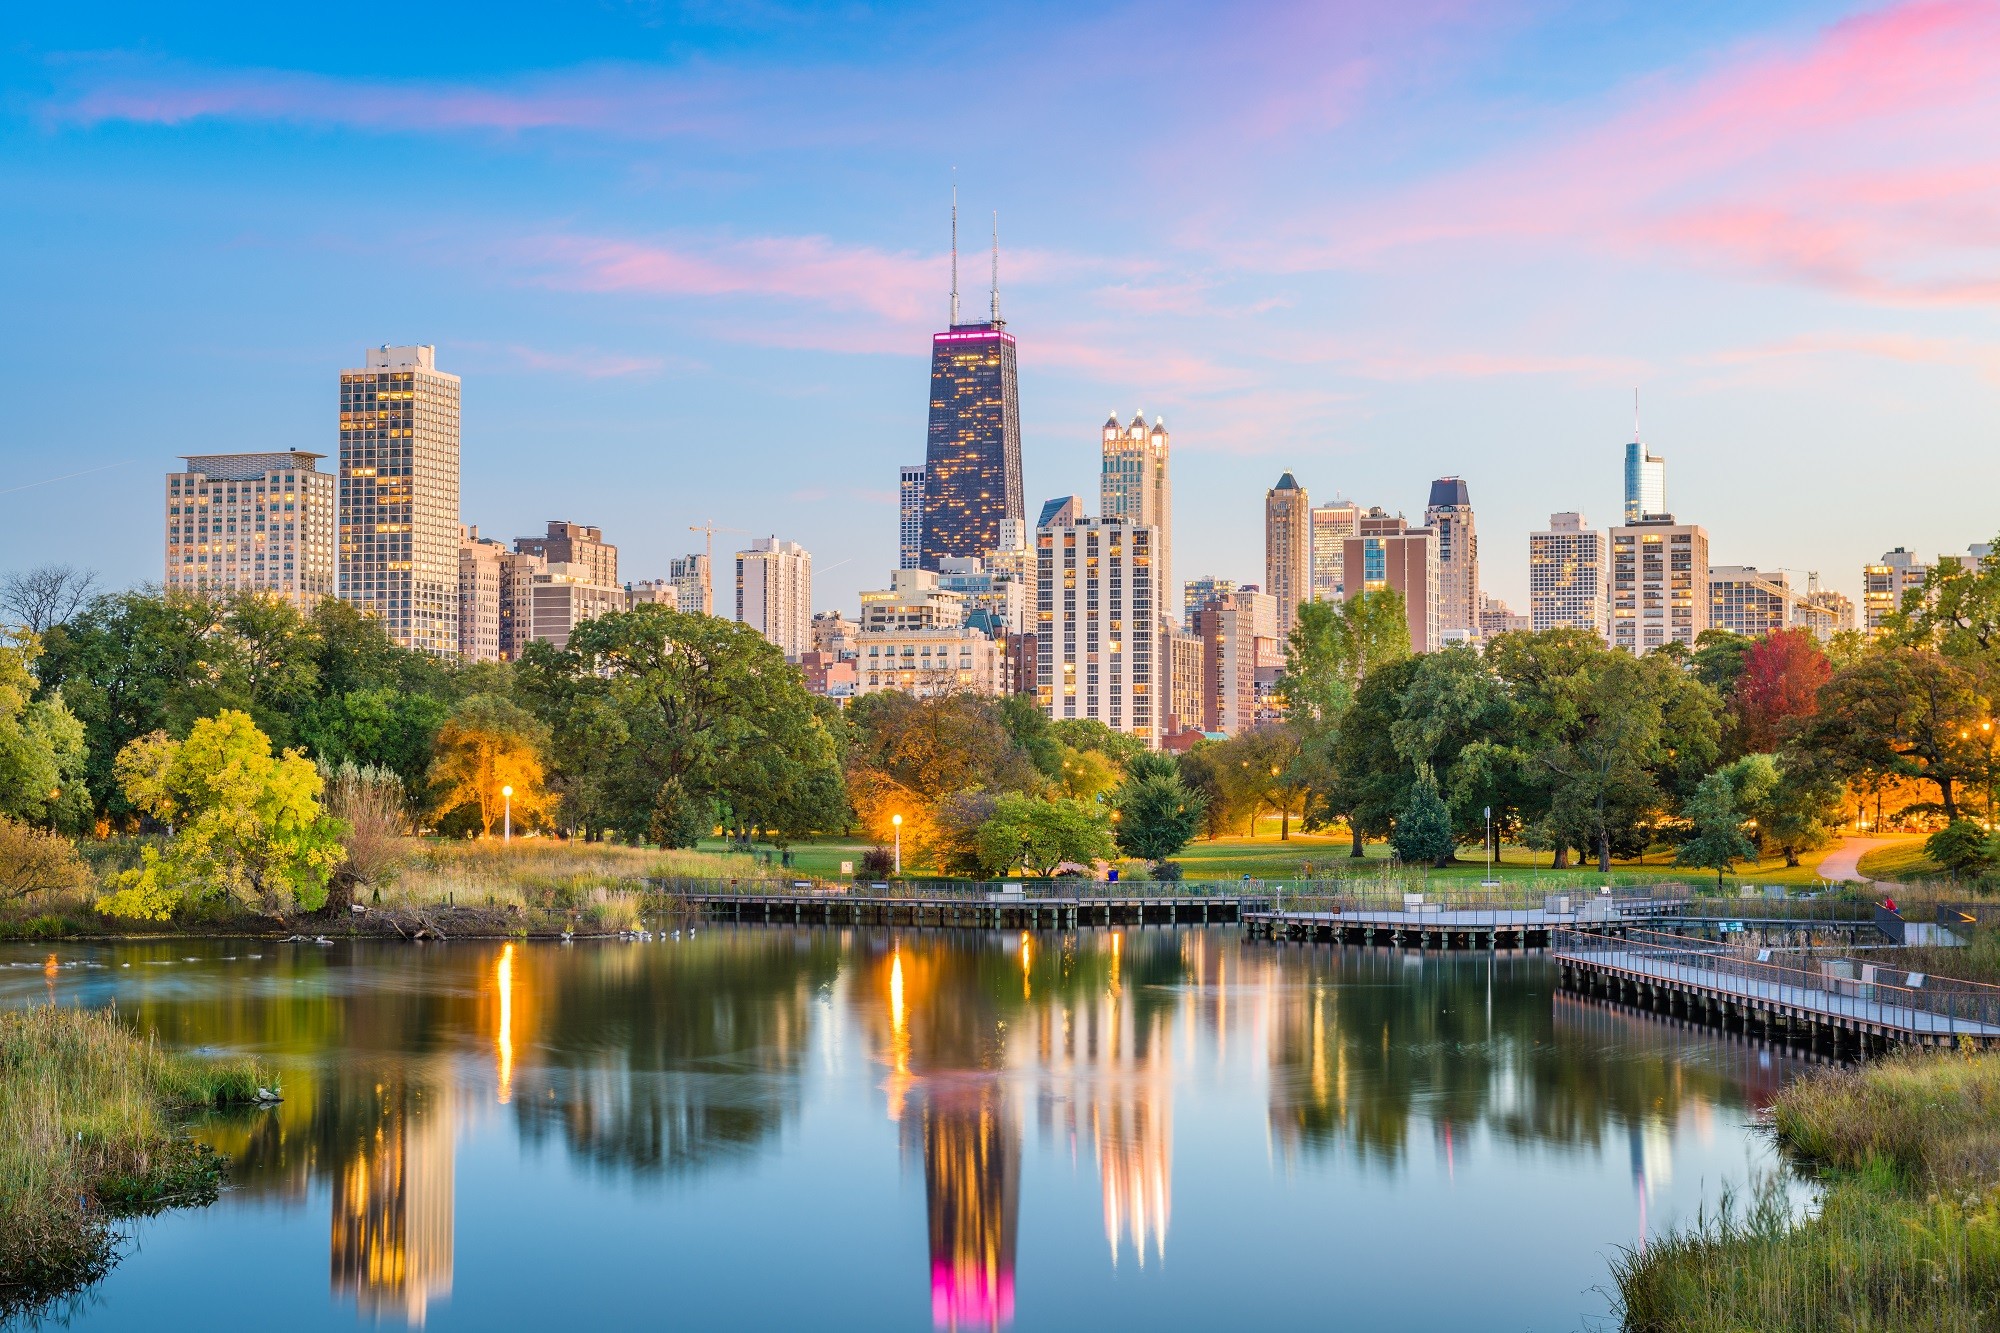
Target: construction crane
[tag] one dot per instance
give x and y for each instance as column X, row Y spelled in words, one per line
column 709, row 529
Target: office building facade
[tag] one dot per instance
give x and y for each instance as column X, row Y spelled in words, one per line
column 774, row 593
column 1097, row 624
column 1201, row 592
column 972, row 454
column 692, row 585
column 652, row 592
column 910, row 495
column 1136, row 486
column 1659, row 584
column 581, row 547
column 1238, row 635
column 1449, row 515
column 1884, row 582
column 912, row 601
column 563, row 596
column 927, row 662
column 1569, row 576
column 1645, row 482
column 1287, row 552
column 399, row 461
column 1332, row 525
column 260, row 522
column 517, row 601
column 1388, row 553
column 1749, row 601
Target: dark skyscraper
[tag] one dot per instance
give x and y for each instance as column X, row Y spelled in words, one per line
column 972, row 462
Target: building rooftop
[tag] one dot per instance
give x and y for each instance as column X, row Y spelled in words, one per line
column 1450, row 492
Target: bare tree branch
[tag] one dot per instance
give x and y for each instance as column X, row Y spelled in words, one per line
column 40, row 599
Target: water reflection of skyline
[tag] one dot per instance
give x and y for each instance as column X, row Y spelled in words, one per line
column 638, row 1062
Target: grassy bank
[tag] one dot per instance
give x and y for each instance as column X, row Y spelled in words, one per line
column 89, row 1133
column 1908, row 1233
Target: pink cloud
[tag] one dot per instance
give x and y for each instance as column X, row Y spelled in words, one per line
column 1865, row 160
column 588, row 364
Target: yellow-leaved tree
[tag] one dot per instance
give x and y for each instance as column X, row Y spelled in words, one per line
column 244, row 821
column 488, row 745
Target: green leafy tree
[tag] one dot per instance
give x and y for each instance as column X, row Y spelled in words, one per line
column 382, row 726
column 1370, row 778
column 1423, row 833
column 1789, row 808
column 1963, row 848
column 1901, row 712
column 905, row 754
column 1157, row 814
column 1040, row 834
column 1333, row 651
column 1716, row 840
column 43, row 760
column 489, row 767
column 715, row 721
column 245, row 822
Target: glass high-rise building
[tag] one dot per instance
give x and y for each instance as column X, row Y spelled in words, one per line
column 1645, row 482
column 972, row 460
column 399, row 495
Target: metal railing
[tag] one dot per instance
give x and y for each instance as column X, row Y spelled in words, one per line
column 1851, row 988
column 1045, row 890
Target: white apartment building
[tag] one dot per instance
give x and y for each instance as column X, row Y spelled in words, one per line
column 1569, row 576
column 774, row 593
column 1097, row 625
column 910, row 490
column 1332, row 524
column 693, row 589
column 928, row 661
column 564, row 595
column 399, row 495
column 912, row 601
column 653, row 592
column 1659, row 583
column 1884, row 583
column 1135, row 485
column 252, row 521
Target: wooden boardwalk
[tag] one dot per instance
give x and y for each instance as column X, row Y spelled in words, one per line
column 1447, row 926
column 1837, row 1002
column 999, row 911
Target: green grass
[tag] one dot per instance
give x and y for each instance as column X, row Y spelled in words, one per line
column 1901, row 863
column 1907, row 1235
column 90, row 1132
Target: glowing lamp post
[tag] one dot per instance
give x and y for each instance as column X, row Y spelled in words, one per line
column 897, row 820
column 507, row 819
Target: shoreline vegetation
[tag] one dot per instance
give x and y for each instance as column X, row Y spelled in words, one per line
column 93, row 1131
column 1906, row 1235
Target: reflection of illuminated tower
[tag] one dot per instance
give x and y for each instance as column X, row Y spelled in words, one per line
column 972, row 1185
column 1135, row 1157
column 392, row 1209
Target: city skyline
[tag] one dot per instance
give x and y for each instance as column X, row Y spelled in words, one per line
column 1349, row 335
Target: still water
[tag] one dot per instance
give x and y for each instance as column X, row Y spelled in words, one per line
column 764, row 1128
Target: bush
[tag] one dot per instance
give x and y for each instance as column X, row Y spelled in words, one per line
column 1167, row 872
column 876, row 863
column 37, row 864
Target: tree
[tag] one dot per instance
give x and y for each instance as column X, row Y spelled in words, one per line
column 1961, row 847
column 43, row 759
column 382, row 726
column 1200, row 768
column 244, row 821
column 1422, row 835
column 905, row 754
column 1790, row 808
column 1333, row 652
column 37, row 600
column 714, row 721
column 1719, row 657
column 1900, row 712
column 1716, row 840
column 488, row 745
column 1156, row 813
column 35, row 861
column 1778, row 687
column 1041, row 834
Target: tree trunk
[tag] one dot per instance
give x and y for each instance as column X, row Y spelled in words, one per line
column 1354, row 830
column 1560, row 859
column 1950, row 805
column 1604, row 851
column 1285, row 824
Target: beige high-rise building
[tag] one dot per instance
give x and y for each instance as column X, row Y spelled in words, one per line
column 774, row 593
column 1185, row 659
column 1388, row 553
column 399, row 495
column 517, row 601
column 563, row 596
column 1287, row 552
column 1884, row 583
column 928, row 661
column 1332, row 525
column 1136, row 487
column 1098, row 625
column 1659, row 583
column 581, row 547
column 690, row 576
column 1239, row 634
column 1749, row 601
column 912, row 601
column 479, row 563
column 1497, row 618
column 252, row 521
column 1569, row 576
column 1450, row 517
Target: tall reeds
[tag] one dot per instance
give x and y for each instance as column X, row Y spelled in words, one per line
column 89, row 1133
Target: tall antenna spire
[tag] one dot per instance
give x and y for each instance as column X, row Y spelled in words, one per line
column 1635, row 416
column 954, row 245
column 996, row 266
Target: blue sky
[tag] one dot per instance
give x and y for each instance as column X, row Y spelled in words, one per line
column 686, row 258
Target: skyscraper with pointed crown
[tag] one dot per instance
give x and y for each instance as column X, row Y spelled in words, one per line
column 972, row 459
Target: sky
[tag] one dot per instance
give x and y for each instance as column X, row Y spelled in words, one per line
column 686, row 258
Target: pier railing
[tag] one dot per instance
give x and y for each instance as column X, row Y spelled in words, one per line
column 1775, row 976
column 936, row 890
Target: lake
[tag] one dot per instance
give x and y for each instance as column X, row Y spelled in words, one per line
column 768, row 1128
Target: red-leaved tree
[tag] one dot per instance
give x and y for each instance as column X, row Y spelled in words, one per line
column 1781, row 677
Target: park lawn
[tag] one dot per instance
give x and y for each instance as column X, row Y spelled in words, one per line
column 1902, row 862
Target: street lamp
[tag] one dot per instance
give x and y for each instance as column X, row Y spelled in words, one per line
column 507, row 825
column 897, row 820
